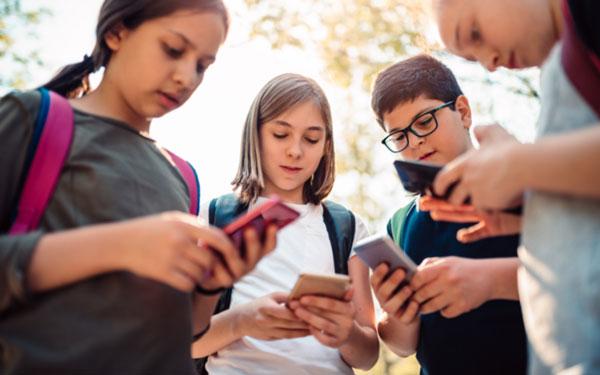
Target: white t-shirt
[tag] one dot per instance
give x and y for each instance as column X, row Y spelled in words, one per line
column 302, row 246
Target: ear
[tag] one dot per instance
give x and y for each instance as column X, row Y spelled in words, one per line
column 464, row 109
column 115, row 36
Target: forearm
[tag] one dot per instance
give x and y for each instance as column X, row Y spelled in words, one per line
column 202, row 311
column 565, row 164
column 362, row 349
column 502, row 277
column 66, row 257
column 402, row 339
column 222, row 332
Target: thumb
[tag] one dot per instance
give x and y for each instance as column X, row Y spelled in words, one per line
column 473, row 233
column 483, row 133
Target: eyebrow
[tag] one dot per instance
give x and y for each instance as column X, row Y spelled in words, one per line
column 412, row 119
column 210, row 58
column 288, row 125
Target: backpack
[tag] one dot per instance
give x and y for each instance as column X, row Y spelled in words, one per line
column 339, row 221
column 46, row 155
column 395, row 226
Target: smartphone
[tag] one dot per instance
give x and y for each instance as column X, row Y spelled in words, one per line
column 334, row 286
column 417, row 177
column 378, row 249
column 273, row 211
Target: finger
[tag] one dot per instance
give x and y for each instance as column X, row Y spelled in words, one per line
column 203, row 257
column 428, row 203
column 326, row 303
column 280, row 297
column 349, row 294
column 429, row 291
column 317, row 321
column 284, row 333
column 191, row 270
column 221, row 275
column 473, row 233
column 454, row 217
column 410, row 313
column 436, row 304
column 459, row 195
column 378, row 275
column 452, row 311
column 279, row 312
column 450, row 174
column 216, row 240
column 388, row 287
column 323, row 337
column 424, row 275
column 180, row 281
column 270, row 239
column 394, row 304
column 253, row 248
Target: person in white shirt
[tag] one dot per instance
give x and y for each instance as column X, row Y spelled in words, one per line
column 287, row 150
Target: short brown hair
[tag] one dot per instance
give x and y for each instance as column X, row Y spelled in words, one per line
column 277, row 96
column 408, row 79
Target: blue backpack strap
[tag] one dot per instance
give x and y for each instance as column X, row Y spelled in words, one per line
column 341, row 225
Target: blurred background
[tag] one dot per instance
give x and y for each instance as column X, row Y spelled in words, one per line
column 342, row 44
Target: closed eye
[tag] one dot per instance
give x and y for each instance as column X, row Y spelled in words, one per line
column 171, row 51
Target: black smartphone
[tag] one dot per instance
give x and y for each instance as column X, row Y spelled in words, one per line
column 417, row 177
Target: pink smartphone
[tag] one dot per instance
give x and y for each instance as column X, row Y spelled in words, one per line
column 273, row 211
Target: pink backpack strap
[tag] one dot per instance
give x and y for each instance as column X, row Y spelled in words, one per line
column 191, row 179
column 46, row 164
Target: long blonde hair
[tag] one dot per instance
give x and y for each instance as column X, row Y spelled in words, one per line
column 277, row 96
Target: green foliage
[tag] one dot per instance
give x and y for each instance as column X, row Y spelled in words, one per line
column 16, row 60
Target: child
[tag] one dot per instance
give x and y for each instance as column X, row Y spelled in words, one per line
column 452, row 313
column 287, row 149
column 560, row 172
column 103, row 285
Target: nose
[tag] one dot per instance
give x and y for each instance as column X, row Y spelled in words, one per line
column 294, row 149
column 491, row 61
column 186, row 75
column 413, row 141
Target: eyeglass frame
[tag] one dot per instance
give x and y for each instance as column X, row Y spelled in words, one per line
column 408, row 128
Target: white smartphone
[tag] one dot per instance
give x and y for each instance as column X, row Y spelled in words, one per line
column 378, row 249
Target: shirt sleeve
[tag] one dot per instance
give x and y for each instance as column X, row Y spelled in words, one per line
column 17, row 116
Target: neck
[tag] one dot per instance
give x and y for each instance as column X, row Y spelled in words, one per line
column 557, row 17
column 291, row 196
column 106, row 101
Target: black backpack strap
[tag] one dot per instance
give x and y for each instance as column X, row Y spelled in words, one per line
column 341, row 225
column 221, row 211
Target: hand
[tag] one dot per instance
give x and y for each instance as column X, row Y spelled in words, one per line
column 394, row 299
column 489, row 224
column 230, row 267
column 488, row 176
column 329, row 320
column 451, row 285
column 268, row 318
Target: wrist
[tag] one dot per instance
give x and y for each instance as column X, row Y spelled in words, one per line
column 238, row 326
column 519, row 160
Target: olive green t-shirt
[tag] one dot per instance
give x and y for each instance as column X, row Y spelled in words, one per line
column 115, row 323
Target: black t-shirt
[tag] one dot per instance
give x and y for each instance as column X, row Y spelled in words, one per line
column 488, row 340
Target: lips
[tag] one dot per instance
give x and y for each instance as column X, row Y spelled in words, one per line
column 170, row 101
column 427, row 155
column 290, row 169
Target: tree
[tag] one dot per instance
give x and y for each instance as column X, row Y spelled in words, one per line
column 17, row 60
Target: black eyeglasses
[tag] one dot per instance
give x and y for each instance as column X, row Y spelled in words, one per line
column 423, row 125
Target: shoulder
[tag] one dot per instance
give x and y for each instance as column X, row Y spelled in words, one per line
column 394, row 224
column 20, row 106
column 337, row 211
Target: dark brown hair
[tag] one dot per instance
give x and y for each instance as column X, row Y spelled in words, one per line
column 277, row 96
column 408, row 79
column 72, row 79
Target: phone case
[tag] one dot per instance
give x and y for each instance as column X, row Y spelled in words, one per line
column 379, row 249
column 417, row 177
column 271, row 212
column 334, row 286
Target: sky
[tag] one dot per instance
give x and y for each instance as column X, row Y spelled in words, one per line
column 207, row 129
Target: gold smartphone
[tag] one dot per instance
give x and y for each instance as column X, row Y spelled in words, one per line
column 333, row 286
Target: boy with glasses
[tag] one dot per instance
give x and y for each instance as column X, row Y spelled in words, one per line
column 460, row 312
